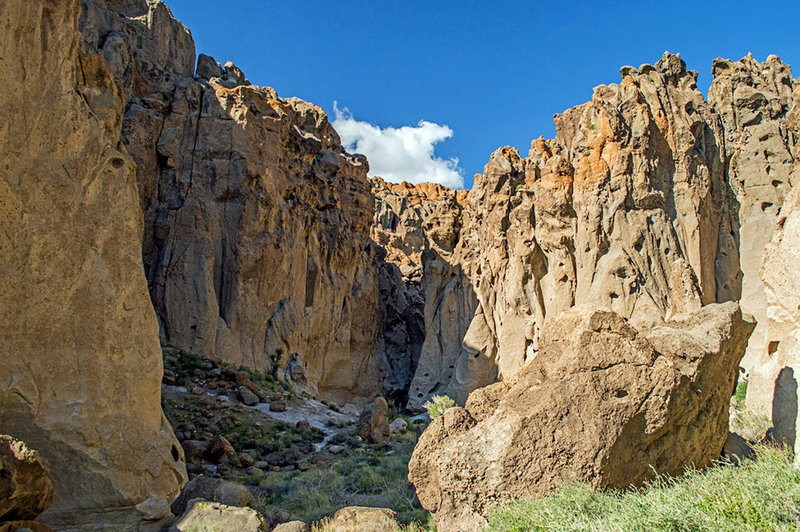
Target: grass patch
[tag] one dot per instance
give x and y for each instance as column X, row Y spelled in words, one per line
column 759, row 495
column 365, row 475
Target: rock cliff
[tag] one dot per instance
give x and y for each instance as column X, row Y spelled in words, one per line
column 756, row 102
column 628, row 208
column 256, row 221
column 603, row 403
column 773, row 380
column 81, row 363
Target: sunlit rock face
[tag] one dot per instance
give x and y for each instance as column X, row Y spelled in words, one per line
column 628, row 208
column 756, row 102
column 604, row 403
column 256, row 221
column 80, row 359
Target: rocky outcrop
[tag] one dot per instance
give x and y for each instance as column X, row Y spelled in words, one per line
column 627, row 208
column 603, row 402
column 256, row 221
column 774, row 379
column 756, row 102
column 81, row 362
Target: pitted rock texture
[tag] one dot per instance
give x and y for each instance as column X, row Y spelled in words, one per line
column 756, row 102
column 603, row 402
column 256, row 233
column 81, row 362
column 774, row 379
column 628, row 208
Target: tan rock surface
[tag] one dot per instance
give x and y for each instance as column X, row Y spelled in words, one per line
column 204, row 516
column 775, row 379
column 602, row 402
column 256, row 236
column 756, row 102
column 81, row 362
column 628, row 208
column 361, row 519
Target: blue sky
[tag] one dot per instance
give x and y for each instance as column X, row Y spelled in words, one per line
column 494, row 73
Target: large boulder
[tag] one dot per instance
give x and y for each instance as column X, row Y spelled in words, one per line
column 80, row 359
column 25, row 487
column 205, row 516
column 602, row 403
column 212, row 489
column 361, row 519
column 373, row 423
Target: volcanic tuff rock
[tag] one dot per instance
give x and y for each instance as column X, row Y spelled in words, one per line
column 256, row 234
column 417, row 226
column 756, row 102
column 602, row 402
column 628, row 208
column 773, row 381
column 81, row 362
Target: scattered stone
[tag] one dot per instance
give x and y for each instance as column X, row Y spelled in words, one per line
column 245, row 460
column 291, row 526
column 205, row 516
column 303, row 465
column 25, row 487
column 373, row 424
column 278, row 405
column 303, row 425
column 335, row 449
column 361, row 519
column 737, row 449
column 197, row 390
column 212, row 489
column 219, row 449
column 398, row 426
column 247, row 397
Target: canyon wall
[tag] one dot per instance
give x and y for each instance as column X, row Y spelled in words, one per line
column 627, row 208
column 81, row 363
column 756, row 102
column 256, row 221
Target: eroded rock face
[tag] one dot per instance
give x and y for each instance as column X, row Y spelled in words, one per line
column 256, row 221
column 628, row 208
column 81, row 362
column 603, row 402
column 774, row 380
column 756, row 102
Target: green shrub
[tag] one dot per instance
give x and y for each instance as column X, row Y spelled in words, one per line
column 437, row 405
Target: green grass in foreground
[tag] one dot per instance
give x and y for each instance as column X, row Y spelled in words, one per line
column 759, row 495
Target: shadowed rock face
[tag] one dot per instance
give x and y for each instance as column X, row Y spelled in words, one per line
column 603, row 402
column 81, row 362
column 256, row 221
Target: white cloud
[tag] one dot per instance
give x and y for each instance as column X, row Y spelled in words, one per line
column 400, row 154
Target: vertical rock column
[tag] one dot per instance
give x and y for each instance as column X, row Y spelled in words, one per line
column 80, row 362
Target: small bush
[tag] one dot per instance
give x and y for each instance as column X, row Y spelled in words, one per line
column 437, row 405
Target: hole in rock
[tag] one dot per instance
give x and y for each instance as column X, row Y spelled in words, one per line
column 176, row 455
column 772, row 348
column 765, row 205
column 116, row 162
column 620, row 394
